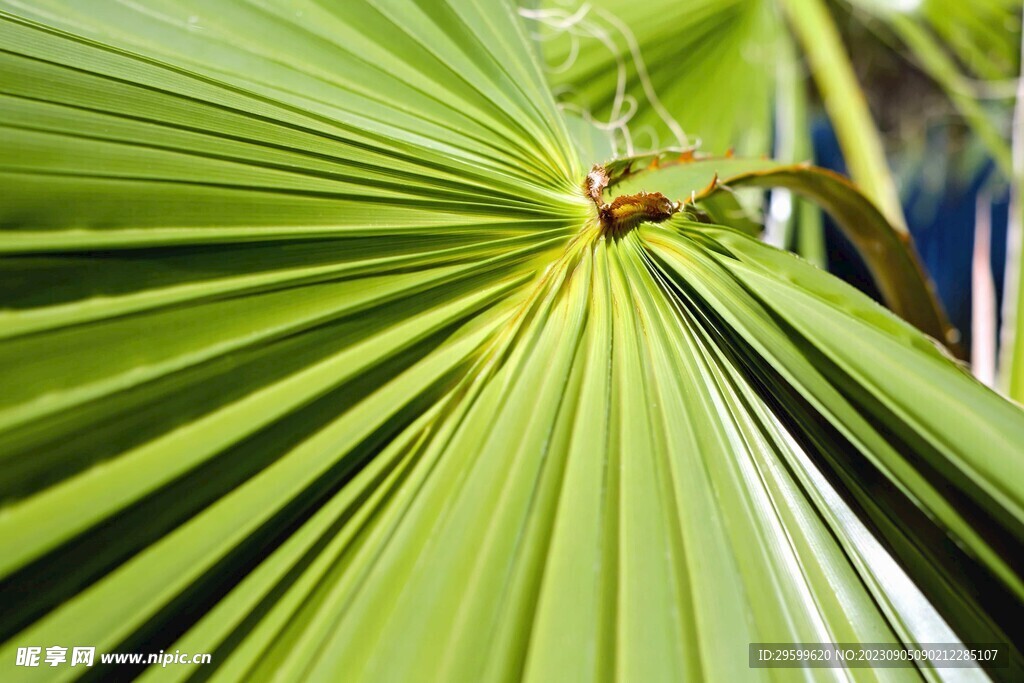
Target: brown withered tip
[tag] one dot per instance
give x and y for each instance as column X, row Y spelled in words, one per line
column 627, row 211
column 597, row 181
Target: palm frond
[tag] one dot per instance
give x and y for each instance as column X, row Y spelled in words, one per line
column 318, row 358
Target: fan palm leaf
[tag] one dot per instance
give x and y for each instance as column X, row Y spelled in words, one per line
column 319, row 358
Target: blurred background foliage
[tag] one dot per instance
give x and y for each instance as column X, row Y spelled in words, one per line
column 912, row 98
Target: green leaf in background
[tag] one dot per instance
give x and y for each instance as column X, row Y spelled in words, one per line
column 971, row 52
column 724, row 73
column 608, row 58
column 318, row 358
